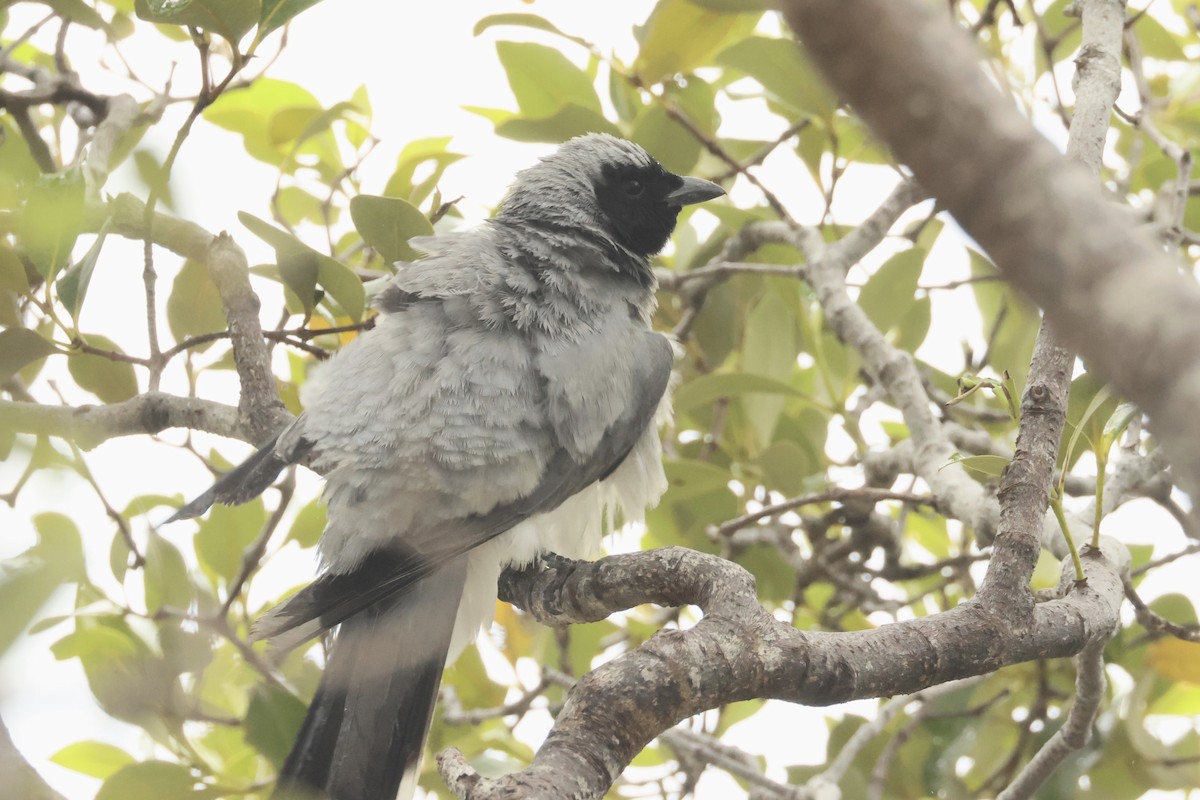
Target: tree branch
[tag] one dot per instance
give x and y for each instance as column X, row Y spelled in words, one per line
column 150, row 412
column 1113, row 295
column 1073, row 735
column 262, row 410
column 740, row 651
column 17, row 777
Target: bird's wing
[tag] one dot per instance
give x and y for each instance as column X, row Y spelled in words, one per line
column 334, row 597
column 250, row 478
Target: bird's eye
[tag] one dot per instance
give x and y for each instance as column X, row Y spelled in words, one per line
column 634, row 187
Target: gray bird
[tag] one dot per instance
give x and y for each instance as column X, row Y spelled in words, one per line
column 504, row 406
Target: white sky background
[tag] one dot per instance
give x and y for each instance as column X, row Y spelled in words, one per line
column 419, row 70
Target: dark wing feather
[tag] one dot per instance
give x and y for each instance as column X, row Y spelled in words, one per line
column 331, row 599
column 250, row 478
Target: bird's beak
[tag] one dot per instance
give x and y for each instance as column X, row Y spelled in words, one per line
column 694, row 190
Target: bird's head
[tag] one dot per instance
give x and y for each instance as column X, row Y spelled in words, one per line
column 602, row 182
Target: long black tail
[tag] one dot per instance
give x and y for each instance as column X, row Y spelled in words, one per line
column 366, row 727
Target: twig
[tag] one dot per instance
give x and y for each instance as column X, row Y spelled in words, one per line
column 1073, row 735
column 17, row 776
column 519, row 706
column 252, row 557
column 1155, row 623
column 835, row 495
column 771, row 147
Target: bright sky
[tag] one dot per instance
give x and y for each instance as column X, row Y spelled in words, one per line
column 419, row 71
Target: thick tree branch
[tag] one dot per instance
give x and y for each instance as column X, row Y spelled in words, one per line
column 740, row 651
column 1112, row 295
column 17, row 777
column 151, row 412
column 262, row 410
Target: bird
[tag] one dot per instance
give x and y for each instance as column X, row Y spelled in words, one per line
column 504, row 407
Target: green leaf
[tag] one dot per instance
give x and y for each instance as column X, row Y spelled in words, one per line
column 18, row 169
column 786, row 466
column 52, row 221
column 571, row 120
column 230, row 18
column 625, row 99
column 299, row 272
column 774, row 580
column 194, row 307
column 1011, row 320
column 707, row 389
column 679, row 37
column 784, row 72
column 524, row 21
column 342, row 285
column 296, row 205
column 667, row 140
column 80, row 12
column 111, row 381
column 248, row 112
column 1157, row 41
column 544, row 80
column 272, row 720
column 387, row 223
column 161, row 780
column 299, row 123
column 126, row 677
column 278, row 12
column 986, row 465
column 1089, row 406
column 769, row 349
column 166, row 576
column 73, row 285
column 224, row 536
column 914, row 326
column 468, row 675
column 1120, row 420
column 96, row 759
column 12, row 271
column 19, row 347
column 733, row 713
column 29, row 579
column 930, row 532
column 156, row 179
column 119, row 554
column 891, row 291
column 337, row 279
column 415, row 154
column 309, row 524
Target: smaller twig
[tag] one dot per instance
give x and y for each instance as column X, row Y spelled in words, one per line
column 916, row 720
column 37, row 145
column 122, row 524
column 111, row 355
column 730, row 759
column 717, row 149
column 1155, row 623
column 840, row 765
column 1173, row 233
column 950, row 285
column 710, row 274
column 761, row 155
column 1158, row 562
column 1073, row 735
column 835, row 495
column 519, row 706
column 252, row 558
